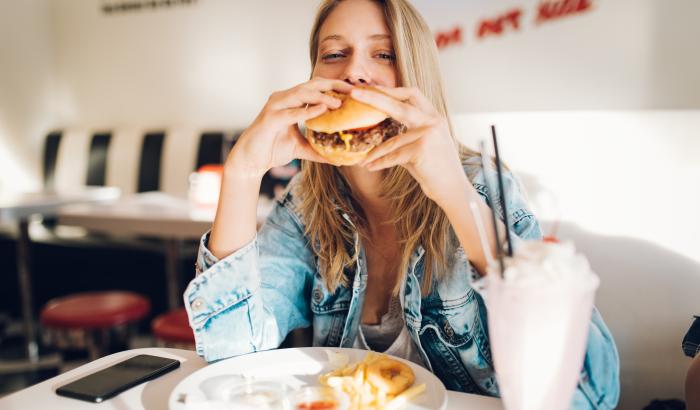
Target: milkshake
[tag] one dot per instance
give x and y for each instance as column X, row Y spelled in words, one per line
column 539, row 316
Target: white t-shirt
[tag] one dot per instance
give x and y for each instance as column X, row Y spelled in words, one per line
column 389, row 336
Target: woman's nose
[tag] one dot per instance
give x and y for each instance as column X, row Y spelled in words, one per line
column 356, row 80
column 355, row 73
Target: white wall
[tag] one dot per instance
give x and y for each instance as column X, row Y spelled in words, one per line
column 623, row 173
column 25, row 90
column 210, row 64
column 622, row 54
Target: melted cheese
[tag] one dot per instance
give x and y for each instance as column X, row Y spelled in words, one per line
column 346, row 138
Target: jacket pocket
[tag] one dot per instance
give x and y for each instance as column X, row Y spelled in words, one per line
column 453, row 308
column 445, row 332
column 456, row 341
column 323, row 302
column 329, row 314
column 442, row 349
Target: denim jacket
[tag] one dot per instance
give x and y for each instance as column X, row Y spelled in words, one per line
column 250, row 300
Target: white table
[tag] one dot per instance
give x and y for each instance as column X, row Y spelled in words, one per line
column 21, row 205
column 154, row 394
column 18, row 208
column 156, row 214
column 149, row 214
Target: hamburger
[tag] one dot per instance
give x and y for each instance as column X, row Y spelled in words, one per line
column 345, row 135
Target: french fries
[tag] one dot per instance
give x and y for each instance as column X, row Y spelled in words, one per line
column 352, row 379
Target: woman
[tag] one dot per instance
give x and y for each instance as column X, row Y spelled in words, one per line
column 378, row 255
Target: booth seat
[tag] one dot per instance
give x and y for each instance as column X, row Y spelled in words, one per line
column 68, row 259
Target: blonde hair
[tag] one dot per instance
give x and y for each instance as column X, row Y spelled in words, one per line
column 418, row 220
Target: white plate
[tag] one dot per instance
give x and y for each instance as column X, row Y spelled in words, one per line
column 296, row 367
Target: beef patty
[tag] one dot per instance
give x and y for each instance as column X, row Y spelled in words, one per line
column 362, row 139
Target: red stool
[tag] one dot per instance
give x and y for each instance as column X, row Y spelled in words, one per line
column 173, row 329
column 85, row 315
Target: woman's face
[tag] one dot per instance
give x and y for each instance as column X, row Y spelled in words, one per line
column 355, row 45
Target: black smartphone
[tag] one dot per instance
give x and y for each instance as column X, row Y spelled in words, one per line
column 109, row 382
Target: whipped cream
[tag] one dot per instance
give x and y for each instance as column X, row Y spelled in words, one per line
column 538, row 263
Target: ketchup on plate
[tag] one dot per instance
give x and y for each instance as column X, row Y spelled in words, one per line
column 317, row 405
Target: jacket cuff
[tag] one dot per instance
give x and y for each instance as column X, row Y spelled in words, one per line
column 205, row 259
column 222, row 284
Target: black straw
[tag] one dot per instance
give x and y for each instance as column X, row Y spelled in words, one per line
column 499, row 248
column 501, row 190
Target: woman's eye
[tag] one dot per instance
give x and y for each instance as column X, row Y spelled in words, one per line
column 386, row 56
column 332, row 56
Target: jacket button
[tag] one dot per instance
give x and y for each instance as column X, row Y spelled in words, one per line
column 448, row 330
column 317, row 296
column 197, row 304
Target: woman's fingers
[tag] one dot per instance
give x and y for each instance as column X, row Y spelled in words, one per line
column 303, row 149
column 313, row 92
column 410, row 94
column 309, row 96
column 326, row 84
column 299, row 97
column 403, row 112
column 401, row 156
column 292, row 116
column 393, row 144
column 310, row 92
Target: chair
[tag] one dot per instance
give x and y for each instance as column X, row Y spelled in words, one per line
column 172, row 329
column 99, row 321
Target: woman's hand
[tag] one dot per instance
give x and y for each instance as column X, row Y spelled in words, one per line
column 274, row 139
column 426, row 150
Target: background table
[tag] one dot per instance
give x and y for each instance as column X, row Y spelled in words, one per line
column 154, row 394
column 18, row 208
column 155, row 214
